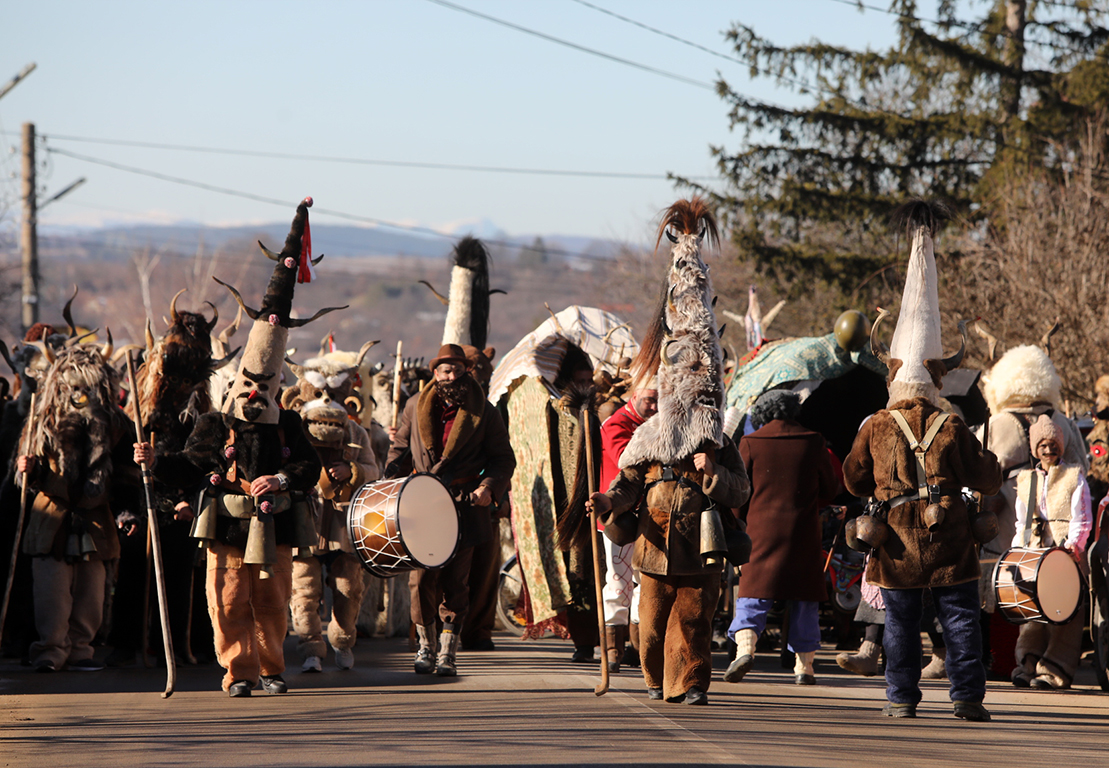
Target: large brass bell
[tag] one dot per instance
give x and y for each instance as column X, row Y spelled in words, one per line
column 714, row 548
column 933, row 517
column 871, row 531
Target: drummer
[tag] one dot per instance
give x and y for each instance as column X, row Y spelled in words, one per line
column 453, row 432
column 1053, row 510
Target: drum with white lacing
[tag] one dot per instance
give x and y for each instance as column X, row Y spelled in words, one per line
column 403, row 524
column 1041, row 585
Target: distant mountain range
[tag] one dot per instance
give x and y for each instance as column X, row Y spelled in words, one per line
column 337, row 240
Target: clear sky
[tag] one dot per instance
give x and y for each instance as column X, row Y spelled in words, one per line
column 397, row 80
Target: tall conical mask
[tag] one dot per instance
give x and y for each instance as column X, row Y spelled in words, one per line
column 253, row 395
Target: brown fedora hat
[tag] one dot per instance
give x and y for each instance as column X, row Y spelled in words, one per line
column 449, row 353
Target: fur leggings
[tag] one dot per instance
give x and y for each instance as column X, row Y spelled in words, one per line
column 348, row 584
column 675, row 631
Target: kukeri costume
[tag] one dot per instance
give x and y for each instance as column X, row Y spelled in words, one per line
column 679, row 591
column 321, row 389
column 83, row 477
column 918, row 481
column 250, row 538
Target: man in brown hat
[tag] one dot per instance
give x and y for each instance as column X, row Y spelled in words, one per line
column 453, row 432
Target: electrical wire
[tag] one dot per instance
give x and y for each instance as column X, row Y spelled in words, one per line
column 285, row 203
column 592, row 51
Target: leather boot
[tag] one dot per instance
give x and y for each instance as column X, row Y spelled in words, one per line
column 631, row 650
column 803, row 668
column 445, row 665
column 425, row 656
column 745, row 640
column 864, row 663
column 937, row 668
column 614, row 639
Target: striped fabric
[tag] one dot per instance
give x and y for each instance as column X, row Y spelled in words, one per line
column 602, row 335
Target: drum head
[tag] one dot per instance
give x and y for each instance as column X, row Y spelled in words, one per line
column 428, row 521
column 1058, row 586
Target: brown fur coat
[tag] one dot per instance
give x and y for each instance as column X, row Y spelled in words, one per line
column 881, row 465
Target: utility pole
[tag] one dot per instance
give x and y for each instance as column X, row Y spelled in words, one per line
column 29, row 236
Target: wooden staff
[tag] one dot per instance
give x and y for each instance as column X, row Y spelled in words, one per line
column 587, row 429
column 155, row 540
column 396, row 384
column 144, row 636
column 19, row 521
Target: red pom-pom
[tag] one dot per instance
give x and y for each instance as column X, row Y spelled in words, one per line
column 215, row 479
column 308, row 201
column 1099, row 450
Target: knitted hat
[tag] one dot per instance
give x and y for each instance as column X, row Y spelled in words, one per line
column 1044, row 429
column 775, row 404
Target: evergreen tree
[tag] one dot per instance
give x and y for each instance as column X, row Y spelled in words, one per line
column 951, row 111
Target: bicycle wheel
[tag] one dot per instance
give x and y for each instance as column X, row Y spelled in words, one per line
column 510, row 588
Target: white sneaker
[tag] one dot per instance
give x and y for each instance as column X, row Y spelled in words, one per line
column 344, row 658
column 312, row 664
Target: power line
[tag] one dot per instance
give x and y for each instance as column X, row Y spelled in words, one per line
column 357, row 160
column 576, row 47
column 285, row 204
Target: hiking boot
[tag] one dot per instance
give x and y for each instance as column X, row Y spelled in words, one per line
column 425, row 656
column 972, row 711
column 445, row 663
column 864, row 663
column 899, row 710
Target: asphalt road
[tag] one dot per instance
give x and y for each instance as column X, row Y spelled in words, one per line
column 525, row 704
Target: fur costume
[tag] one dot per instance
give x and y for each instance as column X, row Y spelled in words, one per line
column 678, row 590
column 83, row 477
column 884, row 465
column 249, row 539
column 325, row 398
column 468, row 305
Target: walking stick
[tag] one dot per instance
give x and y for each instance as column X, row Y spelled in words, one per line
column 155, row 540
column 587, row 430
column 396, row 384
column 19, row 520
column 144, row 636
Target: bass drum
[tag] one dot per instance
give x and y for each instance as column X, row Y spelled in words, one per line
column 403, row 524
column 1042, row 585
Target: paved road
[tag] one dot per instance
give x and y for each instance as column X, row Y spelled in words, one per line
column 525, row 704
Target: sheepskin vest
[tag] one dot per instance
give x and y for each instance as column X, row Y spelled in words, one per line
column 1062, row 482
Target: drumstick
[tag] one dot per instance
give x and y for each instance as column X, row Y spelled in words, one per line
column 396, row 384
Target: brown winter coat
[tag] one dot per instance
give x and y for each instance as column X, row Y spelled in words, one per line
column 669, row 542
column 881, row 465
column 791, row 477
column 477, row 452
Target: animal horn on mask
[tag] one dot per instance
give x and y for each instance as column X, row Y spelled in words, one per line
column 682, row 347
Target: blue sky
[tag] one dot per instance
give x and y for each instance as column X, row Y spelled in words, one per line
column 402, row 80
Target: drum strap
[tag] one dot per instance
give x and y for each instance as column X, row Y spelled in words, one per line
column 1033, row 506
column 920, row 447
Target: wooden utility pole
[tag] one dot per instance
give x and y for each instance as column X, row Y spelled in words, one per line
column 29, row 237
column 1014, row 58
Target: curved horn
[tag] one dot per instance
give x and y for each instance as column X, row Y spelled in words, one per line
column 173, row 316
column 47, row 351
column 362, row 353
column 877, row 348
column 269, row 254
column 251, row 313
column 664, row 356
column 316, row 260
column 354, row 403
column 78, row 339
column 7, row 357
column 109, row 345
column 991, row 340
column 298, row 370
column 671, row 236
column 324, row 345
column 215, row 316
column 442, row 299
column 720, row 333
column 498, row 290
column 67, row 313
column 229, row 331
column 953, row 362
column 321, row 313
column 217, row 364
column 149, row 337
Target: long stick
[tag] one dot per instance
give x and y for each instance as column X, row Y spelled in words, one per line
column 587, row 430
column 396, row 384
column 144, row 636
column 19, row 521
column 155, row 539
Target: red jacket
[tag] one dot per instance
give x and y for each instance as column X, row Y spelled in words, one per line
column 616, row 432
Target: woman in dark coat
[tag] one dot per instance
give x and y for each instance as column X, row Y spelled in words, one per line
column 791, row 477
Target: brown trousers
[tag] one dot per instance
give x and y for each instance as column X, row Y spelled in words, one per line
column 249, row 614
column 485, row 573
column 675, row 631
column 69, row 606
column 347, row 580
column 454, row 581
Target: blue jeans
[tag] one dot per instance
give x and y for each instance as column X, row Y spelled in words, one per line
column 804, row 621
column 957, row 610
